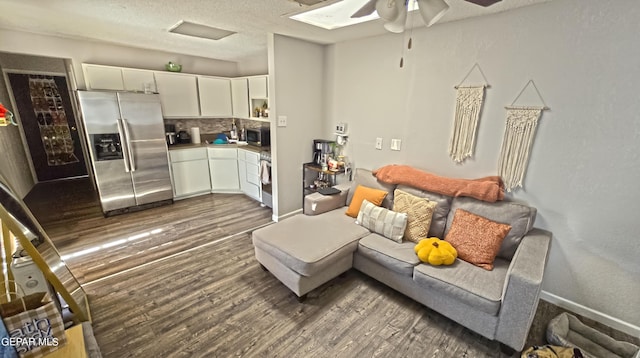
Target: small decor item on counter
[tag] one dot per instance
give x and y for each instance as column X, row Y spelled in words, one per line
column 436, row 252
column 333, row 165
column 234, row 130
column 195, row 135
column 265, row 109
column 184, row 137
column 173, row 67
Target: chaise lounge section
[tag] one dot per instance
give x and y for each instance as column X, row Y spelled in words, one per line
column 307, row 250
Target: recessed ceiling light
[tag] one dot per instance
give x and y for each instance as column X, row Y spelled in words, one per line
column 197, row 30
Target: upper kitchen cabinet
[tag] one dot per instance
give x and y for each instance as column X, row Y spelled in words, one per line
column 258, row 97
column 103, row 77
column 215, row 97
column 99, row 77
column 240, row 97
column 138, row 80
column 258, row 87
column 178, row 94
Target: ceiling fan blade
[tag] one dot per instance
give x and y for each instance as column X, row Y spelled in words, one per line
column 484, row 3
column 367, row 9
column 432, row 10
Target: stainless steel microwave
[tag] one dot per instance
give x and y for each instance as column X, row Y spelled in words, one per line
column 260, row 137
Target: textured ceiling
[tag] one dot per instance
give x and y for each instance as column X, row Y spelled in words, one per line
column 145, row 23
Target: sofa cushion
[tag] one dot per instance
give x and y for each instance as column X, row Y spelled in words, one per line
column 362, row 193
column 443, row 205
column 309, row 244
column 520, row 217
column 385, row 222
column 398, row 257
column 419, row 213
column 364, row 177
column 476, row 239
column 464, row 282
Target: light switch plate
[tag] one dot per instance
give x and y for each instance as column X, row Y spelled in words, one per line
column 379, row 143
column 395, row 144
column 282, row 121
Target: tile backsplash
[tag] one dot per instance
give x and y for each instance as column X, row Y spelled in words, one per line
column 212, row 125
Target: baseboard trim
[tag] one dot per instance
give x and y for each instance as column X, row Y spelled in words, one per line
column 590, row 313
column 280, row 217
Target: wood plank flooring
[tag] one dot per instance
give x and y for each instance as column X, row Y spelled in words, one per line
column 94, row 246
column 218, row 302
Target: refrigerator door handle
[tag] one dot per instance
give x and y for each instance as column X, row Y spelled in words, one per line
column 132, row 161
column 125, row 151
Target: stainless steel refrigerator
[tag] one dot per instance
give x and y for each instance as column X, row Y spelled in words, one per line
column 128, row 150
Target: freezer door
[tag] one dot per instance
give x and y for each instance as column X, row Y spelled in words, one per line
column 100, row 115
column 142, row 118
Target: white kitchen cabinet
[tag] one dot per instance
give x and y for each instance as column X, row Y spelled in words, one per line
column 240, row 97
column 223, row 170
column 135, row 80
column 178, row 94
column 215, row 97
column 249, row 173
column 258, row 87
column 190, row 172
column 99, row 77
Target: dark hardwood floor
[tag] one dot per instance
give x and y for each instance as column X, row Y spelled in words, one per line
column 95, row 247
column 192, row 288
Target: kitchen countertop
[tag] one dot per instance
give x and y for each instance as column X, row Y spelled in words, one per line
column 209, row 145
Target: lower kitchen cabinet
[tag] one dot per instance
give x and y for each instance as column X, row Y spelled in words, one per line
column 190, row 171
column 223, row 170
column 249, row 173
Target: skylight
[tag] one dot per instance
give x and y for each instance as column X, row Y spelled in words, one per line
column 335, row 16
column 338, row 14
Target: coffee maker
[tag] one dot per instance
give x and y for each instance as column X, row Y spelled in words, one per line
column 321, row 150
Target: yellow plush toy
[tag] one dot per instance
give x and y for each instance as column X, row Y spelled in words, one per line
column 436, row 252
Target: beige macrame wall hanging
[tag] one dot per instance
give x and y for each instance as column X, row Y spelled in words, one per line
column 519, row 132
column 468, row 107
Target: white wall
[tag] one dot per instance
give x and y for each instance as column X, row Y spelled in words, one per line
column 296, row 80
column 81, row 51
column 582, row 177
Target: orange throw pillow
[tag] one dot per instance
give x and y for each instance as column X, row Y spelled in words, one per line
column 375, row 196
column 476, row 239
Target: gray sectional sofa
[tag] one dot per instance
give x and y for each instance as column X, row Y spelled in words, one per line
column 309, row 249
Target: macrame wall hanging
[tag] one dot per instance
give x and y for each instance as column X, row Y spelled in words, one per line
column 519, row 132
column 468, row 107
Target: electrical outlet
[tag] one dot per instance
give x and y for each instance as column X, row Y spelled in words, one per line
column 282, row 121
column 395, row 144
column 379, row 143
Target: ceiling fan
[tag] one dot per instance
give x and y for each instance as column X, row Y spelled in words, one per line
column 395, row 11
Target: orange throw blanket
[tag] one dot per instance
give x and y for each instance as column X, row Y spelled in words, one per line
column 488, row 189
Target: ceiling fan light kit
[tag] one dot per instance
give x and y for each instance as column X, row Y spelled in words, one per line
column 388, row 9
column 397, row 24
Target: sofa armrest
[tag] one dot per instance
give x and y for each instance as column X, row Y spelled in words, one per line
column 316, row 203
column 522, row 289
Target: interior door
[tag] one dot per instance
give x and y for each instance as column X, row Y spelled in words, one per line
column 46, row 116
column 144, row 127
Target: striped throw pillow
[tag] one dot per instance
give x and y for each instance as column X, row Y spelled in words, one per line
column 382, row 221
